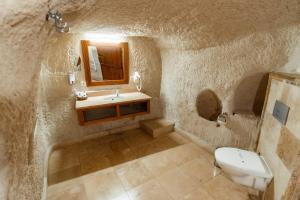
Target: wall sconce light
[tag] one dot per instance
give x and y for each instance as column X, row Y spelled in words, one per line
column 72, row 78
column 104, row 38
column 137, row 81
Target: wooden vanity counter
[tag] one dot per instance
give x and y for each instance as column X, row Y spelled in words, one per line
column 104, row 108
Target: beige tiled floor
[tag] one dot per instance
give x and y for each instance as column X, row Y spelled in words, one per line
column 89, row 156
column 182, row 172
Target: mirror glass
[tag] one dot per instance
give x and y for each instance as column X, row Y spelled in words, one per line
column 105, row 63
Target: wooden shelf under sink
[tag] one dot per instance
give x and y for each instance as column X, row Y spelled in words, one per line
column 99, row 112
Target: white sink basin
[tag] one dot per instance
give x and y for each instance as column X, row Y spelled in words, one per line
column 113, row 98
column 109, row 99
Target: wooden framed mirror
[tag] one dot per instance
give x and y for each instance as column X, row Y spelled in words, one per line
column 105, row 63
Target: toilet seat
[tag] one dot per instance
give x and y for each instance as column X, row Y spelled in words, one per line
column 243, row 161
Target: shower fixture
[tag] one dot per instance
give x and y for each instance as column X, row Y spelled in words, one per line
column 60, row 24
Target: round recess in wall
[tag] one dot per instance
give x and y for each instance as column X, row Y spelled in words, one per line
column 208, row 105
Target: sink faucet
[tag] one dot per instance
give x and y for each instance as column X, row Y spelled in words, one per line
column 117, row 93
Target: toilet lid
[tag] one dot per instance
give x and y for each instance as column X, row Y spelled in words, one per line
column 247, row 161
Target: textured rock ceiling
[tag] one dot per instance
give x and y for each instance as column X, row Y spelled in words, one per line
column 187, row 24
column 193, row 23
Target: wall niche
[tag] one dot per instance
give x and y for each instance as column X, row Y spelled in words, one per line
column 208, row 105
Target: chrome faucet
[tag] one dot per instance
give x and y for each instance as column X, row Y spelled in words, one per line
column 117, row 93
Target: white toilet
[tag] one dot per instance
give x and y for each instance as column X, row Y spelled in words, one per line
column 244, row 167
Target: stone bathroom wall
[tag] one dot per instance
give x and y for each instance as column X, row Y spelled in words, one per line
column 56, row 95
column 233, row 71
column 196, row 26
column 5, row 173
column 23, row 33
column 21, row 40
column 280, row 144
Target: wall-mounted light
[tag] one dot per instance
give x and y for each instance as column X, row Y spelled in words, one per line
column 137, row 81
column 72, row 78
column 97, row 37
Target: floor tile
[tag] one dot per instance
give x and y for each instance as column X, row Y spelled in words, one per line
column 164, row 142
column 156, row 145
column 177, row 170
column 133, row 174
column 221, row 187
column 184, row 153
column 149, row 191
column 159, row 163
column 89, row 144
column 62, row 159
column 63, row 175
column 198, row 194
column 205, row 154
column 119, row 157
column 65, row 185
column 110, row 150
column 144, row 150
column 104, row 185
column 178, row 184
column 99, row 149
column 91, row 163
column 198, row 168
column 77, row 192
column 179, row 139
column 110, row 137
column 137, row 137
column 119, row 145
column 123, row 196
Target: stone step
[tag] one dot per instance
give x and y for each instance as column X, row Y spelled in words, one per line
column 157, row 127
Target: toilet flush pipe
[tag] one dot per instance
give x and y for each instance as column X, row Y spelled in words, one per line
column 222, row 119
